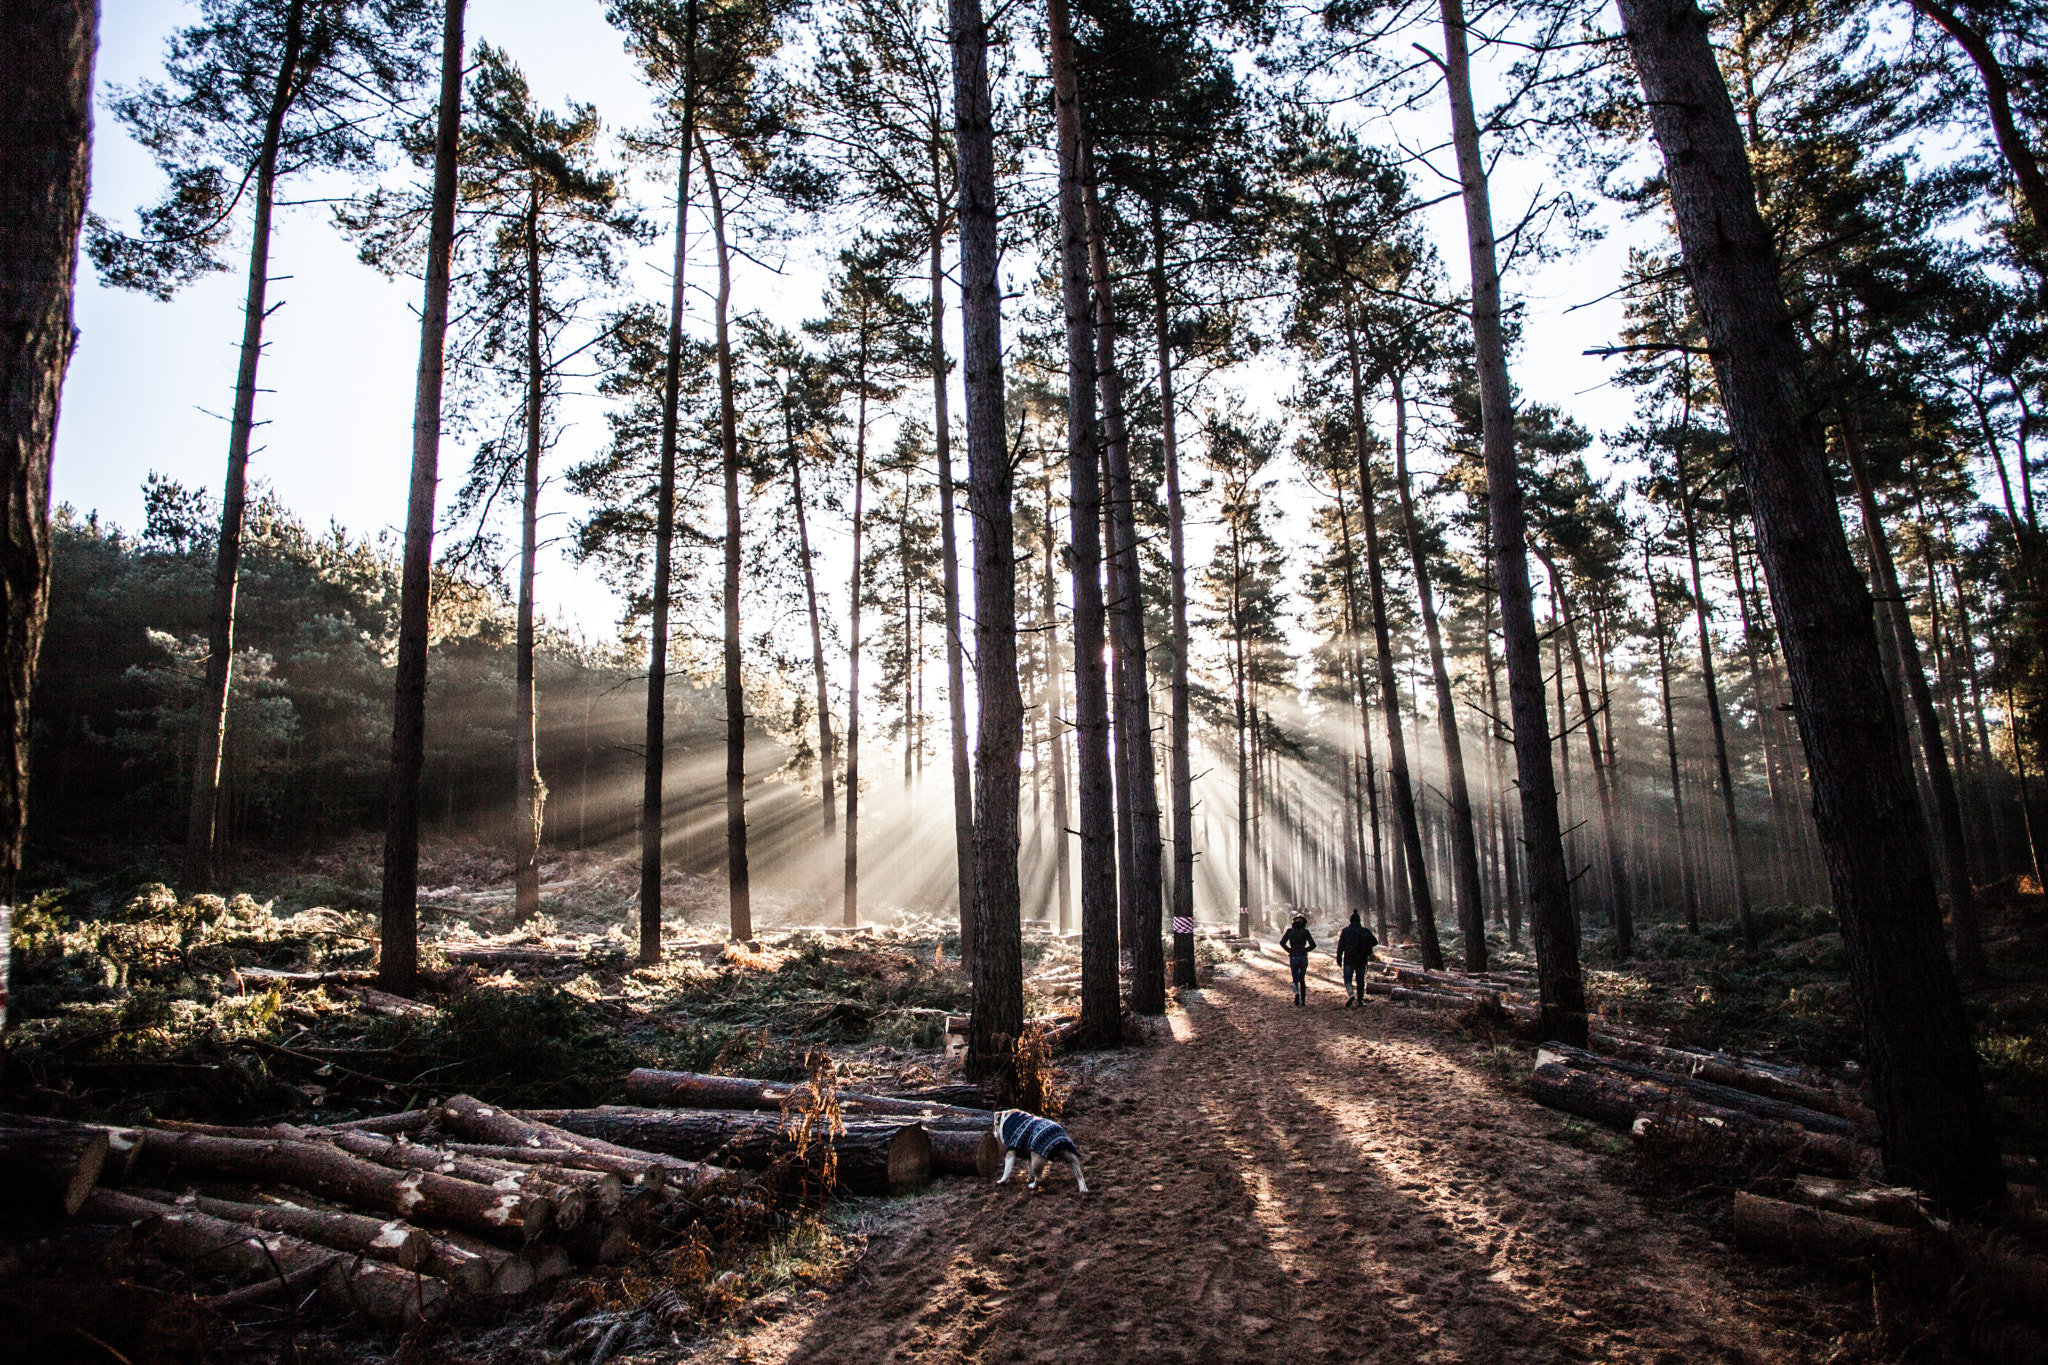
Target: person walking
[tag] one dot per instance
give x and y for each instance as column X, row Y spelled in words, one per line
column 1354, row 950
column 1299, row 943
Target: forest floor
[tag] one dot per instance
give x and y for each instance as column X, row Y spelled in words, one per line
column 1314, row 1184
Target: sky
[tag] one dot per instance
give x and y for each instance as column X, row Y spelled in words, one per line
column 151, row 382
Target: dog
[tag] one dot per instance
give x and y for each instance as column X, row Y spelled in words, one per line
column 1042, row 1140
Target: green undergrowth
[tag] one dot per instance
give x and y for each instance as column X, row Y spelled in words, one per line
column 140, row 1010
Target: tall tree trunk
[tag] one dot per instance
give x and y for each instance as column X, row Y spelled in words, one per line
column 1101, row 1010
column 398, row 935
column 1691, row 888
column 738, row 884
column 1948, row 811
column 1552, row 926
column 1120, row 714
column 1715, row 721
column 1390, row 692
column 1510, row 867
column 826, row 758
column 1055, row 740
column 998, row 934
column 1180, row 778
column 1464, row 842
column 1240, row 686
column 227, row 567
column 532, row 793
column 1925, row 1081
column 1621, row 913
column 1148, row 983
column 656, row 746
column 849, row 900
column 45, row 170
column 956, row 673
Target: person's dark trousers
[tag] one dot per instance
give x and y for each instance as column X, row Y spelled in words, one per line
column 1299, row 966
column 1354, row 981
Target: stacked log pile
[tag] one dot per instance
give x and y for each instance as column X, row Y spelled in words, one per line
column 690, row 1113
column 390, row 1216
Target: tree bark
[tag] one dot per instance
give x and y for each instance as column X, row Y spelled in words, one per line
column 998, row 934
column 849, row 897
column 398, row 936
column 380, row 1239
column 326, row 1170
column 211, row 737
column 1924, row 1075
column 1390, row 692
column 967, row 1153
column 654, row 761
column 532, row 798
column 875, row 1156
column 1101, row 1005
column 46, row 73
column 1691, row 889
column 956, row 674
column 1948, row 810
column 48, row 1166
column 214, row 1246
column 1622, row 914
column 694, row 1090
column 1180, row 778
column 738, row 887
column 1148, row 980
column 1055, row 737
column 1464, row 842
column 826, row 758
column 1552, row 927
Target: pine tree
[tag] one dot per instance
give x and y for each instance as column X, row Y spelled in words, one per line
column 257, row 92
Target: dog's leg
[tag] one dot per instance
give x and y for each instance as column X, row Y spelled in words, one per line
column 1080, row 1180
column 1009, row 1168
column 1037, row 1171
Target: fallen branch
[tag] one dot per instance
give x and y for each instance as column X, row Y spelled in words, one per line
column 48, row 1166
column 694, row 1090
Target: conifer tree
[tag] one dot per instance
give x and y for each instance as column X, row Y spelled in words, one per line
column 257, row 92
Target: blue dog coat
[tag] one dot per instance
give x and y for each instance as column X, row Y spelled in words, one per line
column 1022, row 1132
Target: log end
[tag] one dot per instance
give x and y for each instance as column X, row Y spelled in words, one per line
column 910, row 1159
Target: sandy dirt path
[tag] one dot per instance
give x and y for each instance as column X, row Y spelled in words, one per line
column 1294, row 1184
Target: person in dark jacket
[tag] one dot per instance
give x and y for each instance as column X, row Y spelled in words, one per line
column 1354, row 950
column 1299, row 943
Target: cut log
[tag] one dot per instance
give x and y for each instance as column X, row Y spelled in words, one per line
column 1687, row 1132
column 641, row 1172
column 1706, row 1092
column 961, row 1152
column 324, row 1169
column 215, row 1246
column 124, row 1149
column 389, row 1240
column 480, row 1122
column 1790, row 1084
column 513, row 957
column 566, row 1201
column 1894, row 1204
column 410, row 1121
column 1793, row 1229
column 875, row 1156
column 691, row 1179
column 1436, row 1000
column 693, row 1090
column 48, row 1166
column 1424, row 979
column 599, row 1241
column 474, row 1266
column 965, row 1096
